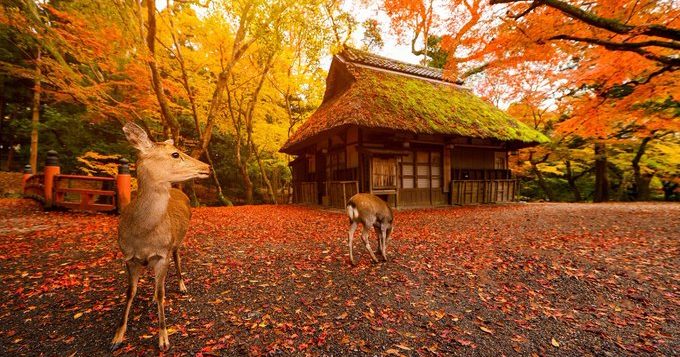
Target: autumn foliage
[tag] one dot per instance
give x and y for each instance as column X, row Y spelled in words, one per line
column 553, row 279
column 601, row 73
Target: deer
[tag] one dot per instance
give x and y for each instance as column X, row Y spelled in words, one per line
column 153, row 225
column 370, row 211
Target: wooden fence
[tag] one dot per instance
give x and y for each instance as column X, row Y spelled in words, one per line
column 87, row 193
column 465, row 192
column 305, row 192
column 339, row 192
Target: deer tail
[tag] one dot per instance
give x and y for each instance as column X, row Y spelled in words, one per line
column 352, row 211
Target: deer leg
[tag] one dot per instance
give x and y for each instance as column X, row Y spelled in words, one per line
column 383, row 238
column 161, row 270
column 178, row 263
column 134, row 270
column 364, row 236
column 380, row 241
column 352, row 229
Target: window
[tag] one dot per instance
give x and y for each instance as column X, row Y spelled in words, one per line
column 407, row 174
column 336, row 163
column 500, row 162
column 435, row 170
column 422, row 170
column 384, row 172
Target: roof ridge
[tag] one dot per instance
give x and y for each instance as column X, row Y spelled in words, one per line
column 357, row 56
column 394, row 60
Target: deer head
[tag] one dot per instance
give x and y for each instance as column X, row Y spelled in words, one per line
column 162, row 162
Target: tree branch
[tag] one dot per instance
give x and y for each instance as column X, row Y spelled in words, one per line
column 635, row 47
column 623, row 45
column 603, row 22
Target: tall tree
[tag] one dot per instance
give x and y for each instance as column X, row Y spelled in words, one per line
column 414, row 19
column 35, row 118
column 168, row 118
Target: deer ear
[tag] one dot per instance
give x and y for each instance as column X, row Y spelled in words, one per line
column 137, row 137
column 170, row 142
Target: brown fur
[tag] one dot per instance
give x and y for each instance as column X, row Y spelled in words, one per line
column 153, row 225
column 370, row 211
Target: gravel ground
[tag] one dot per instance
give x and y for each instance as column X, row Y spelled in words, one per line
column 522, row 279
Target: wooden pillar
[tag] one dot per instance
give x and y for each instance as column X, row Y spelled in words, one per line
column 52, row 169
column 360, row 157
column 446, row 167
column 123, row 185
column 27, row 174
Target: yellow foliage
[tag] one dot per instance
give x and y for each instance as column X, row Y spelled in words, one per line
column 94, row 163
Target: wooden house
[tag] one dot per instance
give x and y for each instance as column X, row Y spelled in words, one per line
column 406, row 133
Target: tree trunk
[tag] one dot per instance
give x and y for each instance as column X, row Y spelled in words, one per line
column 601, row 181
column 241, row 45
column 10, row 158
column 157, row 82
column 224, row 201
column 571, row 180
column 3, row 109
column 247, row 183
column 35, row 120
column 243, row 170
column 272, row 194
column 188, row 188
column 539, row 176
column 248, row 119
column 641, row 181
column 194, row 112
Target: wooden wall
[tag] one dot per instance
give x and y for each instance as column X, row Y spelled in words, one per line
column 482, row 191
column 422, row 197
column 347, row 156
column 473, row 158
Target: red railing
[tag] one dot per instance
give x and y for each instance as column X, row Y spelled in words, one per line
column 89, row 193
column 34, row 187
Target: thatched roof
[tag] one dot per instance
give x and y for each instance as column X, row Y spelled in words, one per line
column 380, row 96
column 361, row 57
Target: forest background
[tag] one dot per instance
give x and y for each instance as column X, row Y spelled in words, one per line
column 230, row 81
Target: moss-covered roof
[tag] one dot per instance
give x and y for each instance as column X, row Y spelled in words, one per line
column 382, row 99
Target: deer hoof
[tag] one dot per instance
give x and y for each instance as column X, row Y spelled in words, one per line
column 163, row 342
column 182, row 287
column 118, row 338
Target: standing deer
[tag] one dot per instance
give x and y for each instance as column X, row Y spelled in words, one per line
column 370, row 211
column 153, row 225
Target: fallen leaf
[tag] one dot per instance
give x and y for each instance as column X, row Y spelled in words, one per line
column 486, row 329
column 394, row 352
column 405, row 348
column 554, row 342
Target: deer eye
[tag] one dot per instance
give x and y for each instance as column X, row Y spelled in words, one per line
column 175, row 155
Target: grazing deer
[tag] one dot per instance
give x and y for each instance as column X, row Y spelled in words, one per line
column 153, row 225
column 370, row 211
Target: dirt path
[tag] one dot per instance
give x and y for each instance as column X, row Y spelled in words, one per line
column 550, row 279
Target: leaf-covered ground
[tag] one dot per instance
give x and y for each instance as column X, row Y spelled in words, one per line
column 546, row 279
